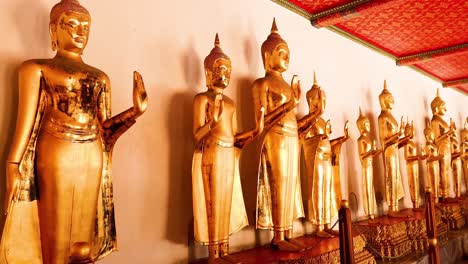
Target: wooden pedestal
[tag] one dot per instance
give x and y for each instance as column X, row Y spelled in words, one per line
column 452, row 213
column 397, row 237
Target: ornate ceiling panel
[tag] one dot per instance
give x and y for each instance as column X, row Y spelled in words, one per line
column 429, row 35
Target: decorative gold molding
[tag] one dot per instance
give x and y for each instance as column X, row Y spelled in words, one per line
column 418, row 57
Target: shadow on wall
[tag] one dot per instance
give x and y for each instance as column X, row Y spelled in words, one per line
column 179, row 121
column 35, row 41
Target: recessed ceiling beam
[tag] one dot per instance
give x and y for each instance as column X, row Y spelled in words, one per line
column 346, row 11
column 418, row 57
column 455, row 82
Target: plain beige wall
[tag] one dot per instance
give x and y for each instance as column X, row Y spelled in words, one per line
column 167, row 42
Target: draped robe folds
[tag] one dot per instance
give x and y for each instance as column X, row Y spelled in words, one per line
column 21, row 242
column 292, row 196
column 238, row 215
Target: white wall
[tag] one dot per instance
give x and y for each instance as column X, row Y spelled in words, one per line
column 167, row 42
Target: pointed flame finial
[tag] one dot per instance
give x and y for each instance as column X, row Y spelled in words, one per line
column 274, row 28
column 385, row 84
column 315, row 78
column 360, row 111
column 438, row 93
column 217, row 43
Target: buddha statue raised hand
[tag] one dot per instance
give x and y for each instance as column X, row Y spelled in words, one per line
column 59, row 187
column 218, row 204
column 321, row 156
column 390, row 139
column 367, row 149
column 279, row 200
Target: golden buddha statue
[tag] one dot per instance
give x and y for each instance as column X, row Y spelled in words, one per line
column 390, row 139
column 464, row 142
column 218, row 204
column 432, row 161
column 367, row 149
column 456, row 163
column 279, row 199
column 412, row 158
column 322, row 163
column 59, row 187
column 442, row 132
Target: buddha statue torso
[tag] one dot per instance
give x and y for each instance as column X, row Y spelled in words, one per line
column 388, row 125
column 73, row 93
column 324, row 147
column 278, row 93
column 225, row 128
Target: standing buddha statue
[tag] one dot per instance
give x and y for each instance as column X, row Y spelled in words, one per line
column 279, row 199
column 412, row 166
column 432, row 161
column 456, row 163
column 390, row 139
column 218, row 204
column 59, row 188
column 367, row 149
column 322, row 163
column 442, row 132
column 464, row 142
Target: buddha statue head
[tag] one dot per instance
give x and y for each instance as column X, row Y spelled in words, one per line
column 217, row 67
column 363, row 123
column 438, row 105
column 428, row 132
column 69, row 26
column 386, row 98
column 275, row 51
column 464, row 132
column 316, row 98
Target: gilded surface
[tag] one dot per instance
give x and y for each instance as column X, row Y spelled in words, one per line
column 432, row 161
column 367, row 150
column 442, row 132
column 279, row 199
column 412, row 158
column 464, row 142
column 322, row 157
column 390, row 133
column 59, row 185
column 218, row 203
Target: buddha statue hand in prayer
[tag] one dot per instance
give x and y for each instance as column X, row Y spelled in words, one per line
column 218, row 204
column 390, row 133
column 367, row 149
column 279, row 199
column 59, row 185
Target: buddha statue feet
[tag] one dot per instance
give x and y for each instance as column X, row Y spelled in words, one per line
column 80, row 253
column 284, row 245
column 332, row 232
column 323, row 234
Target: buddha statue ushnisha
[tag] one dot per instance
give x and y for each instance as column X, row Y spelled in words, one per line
column 218, row 203
column 367, row 149
column 321, row 157
column 279, row 200
column 59, row 198
column 390, row 134
column 442, row 134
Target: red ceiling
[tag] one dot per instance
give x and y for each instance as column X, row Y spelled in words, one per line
column 433, row 33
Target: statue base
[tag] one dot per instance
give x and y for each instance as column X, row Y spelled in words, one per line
column 394, row 237
column 318, row 251
column 452, row 212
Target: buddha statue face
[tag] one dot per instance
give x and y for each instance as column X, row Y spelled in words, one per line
column 278, row 58
column 363, row 125
column 220, row 73
column 386, row 101
column 439, row 108
column 70, row 32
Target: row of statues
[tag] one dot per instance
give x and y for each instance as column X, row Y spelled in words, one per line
column 217, row 195
column 59, row 198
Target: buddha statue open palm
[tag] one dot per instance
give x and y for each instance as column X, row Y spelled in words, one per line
column 59, row 187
